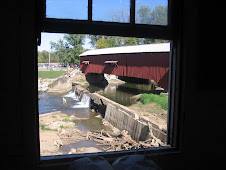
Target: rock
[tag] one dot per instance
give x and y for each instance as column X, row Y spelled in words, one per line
column 136, row 97
column 73, row 151
column 157, row 142
column 136, row 117
column 60, row 130
column 58, row 143
column 60, row 124
column 153, row 142
column 64, row 133
column 105, row 122
column 72, row 116
column 98, row 116
column 80, row 150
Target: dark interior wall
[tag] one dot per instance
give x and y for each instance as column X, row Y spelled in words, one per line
column 22, row 130
column 203, row 101
column 201, row 105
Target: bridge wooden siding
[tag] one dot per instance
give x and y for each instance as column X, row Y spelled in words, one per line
column 145, row 65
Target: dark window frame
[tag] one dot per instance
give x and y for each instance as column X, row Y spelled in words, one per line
column 168, row 32
column 130, row 29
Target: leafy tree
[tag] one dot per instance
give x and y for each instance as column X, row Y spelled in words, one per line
column 159, row 15
column 93, row 39
column 61, row 50
column 54, row 58
column 107, row 42
column 144, row 15
column 69, row 49
column 101, row 43
column 40, row 57
column 43, row 56
column 148, row 41
column 115, row 41
column 130, row 41
column 120, row 15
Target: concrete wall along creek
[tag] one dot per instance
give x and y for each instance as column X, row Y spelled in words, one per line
column 124, row 118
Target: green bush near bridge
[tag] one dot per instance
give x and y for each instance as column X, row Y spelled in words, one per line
column 161, row 100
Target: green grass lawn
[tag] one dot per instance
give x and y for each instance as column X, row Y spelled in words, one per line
column 50, row 74
column 161, row 100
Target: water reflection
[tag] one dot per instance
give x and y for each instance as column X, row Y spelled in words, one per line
column 93, row 123
column 123, row 93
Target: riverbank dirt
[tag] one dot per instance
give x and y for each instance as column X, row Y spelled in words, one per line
column 58, row 129
column 152, row 113
column 45, row 84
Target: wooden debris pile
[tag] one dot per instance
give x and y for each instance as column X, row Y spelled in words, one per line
column 115, row 141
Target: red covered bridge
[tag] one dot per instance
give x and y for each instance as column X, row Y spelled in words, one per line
column 142, row 61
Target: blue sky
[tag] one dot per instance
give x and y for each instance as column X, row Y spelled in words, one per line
column 47, row 37
column 77, row 9
column 102, row 9
column 67, row 9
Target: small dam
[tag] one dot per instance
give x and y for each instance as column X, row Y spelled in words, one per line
column 124, row 118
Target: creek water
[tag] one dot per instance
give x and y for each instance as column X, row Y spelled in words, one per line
column 79, row 106
column 50, row 102
column 123, row 93
column 76, row 105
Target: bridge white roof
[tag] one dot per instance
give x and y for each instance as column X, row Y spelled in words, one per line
column 161, row 47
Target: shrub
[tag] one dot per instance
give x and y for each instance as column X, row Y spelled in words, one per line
column 66, row 119
column 161, row 100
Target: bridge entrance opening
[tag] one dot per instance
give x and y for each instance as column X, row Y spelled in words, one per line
column 102, row 93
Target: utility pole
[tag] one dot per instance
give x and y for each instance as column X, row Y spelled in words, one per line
column 49, row 60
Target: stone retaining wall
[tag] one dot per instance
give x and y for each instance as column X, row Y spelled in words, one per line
column 61, row 85
column 123, row 121
column 124, row 118
column 57, row 82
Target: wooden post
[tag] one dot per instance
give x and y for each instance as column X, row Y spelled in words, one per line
column 49, row 60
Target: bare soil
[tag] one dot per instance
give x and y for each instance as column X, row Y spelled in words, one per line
column 152, row 112
column 56, row 130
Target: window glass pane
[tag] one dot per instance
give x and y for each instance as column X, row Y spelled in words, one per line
column 151, row 12
column 68, row 9
column 111, row 10
column 102, row 93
